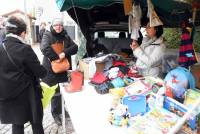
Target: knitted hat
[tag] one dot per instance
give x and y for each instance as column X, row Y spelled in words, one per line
column 57, row 21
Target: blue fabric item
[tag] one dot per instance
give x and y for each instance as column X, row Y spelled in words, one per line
column 118, row 82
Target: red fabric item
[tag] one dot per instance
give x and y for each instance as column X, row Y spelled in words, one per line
column 76, row 82
column 120, row 74
column 185, row 36
column 185, row 49
column 118, row 63
column 186, row 59
column 130, row 74
column 98, row 78
column 195, row 4
column 169, row 92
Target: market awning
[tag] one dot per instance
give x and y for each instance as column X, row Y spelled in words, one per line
column 85, row 4
column 170, row 11
column 167, row 5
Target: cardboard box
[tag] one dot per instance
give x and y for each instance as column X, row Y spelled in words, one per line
column 100, row 66
column 84, row 67
column 87, row 71
column 195, row 69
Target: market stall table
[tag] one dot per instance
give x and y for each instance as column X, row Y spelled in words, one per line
column 88, row 111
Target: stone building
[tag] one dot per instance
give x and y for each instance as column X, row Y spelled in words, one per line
column 29, row 19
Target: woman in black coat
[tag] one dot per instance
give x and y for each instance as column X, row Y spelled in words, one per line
column 57, row 34
column 20, row 95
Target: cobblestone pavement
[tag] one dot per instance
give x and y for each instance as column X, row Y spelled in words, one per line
column 50, row 127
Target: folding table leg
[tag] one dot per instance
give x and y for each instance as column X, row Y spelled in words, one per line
column 63, row 115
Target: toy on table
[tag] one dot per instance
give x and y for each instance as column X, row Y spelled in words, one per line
column 119, row 116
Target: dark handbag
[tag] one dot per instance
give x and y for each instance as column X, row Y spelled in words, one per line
column 63, row 65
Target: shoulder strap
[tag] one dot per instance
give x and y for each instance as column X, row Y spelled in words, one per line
column 10, row 58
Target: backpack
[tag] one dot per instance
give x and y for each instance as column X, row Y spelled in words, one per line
column 180, row 76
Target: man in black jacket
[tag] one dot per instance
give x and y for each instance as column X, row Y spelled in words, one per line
column 57, row 34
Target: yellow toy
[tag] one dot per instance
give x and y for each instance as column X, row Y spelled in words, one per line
column 118, row 91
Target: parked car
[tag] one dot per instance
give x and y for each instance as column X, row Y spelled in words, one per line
column 95, row 16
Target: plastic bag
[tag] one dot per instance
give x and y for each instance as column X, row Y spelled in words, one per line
column 47, row 92
column 75, row 82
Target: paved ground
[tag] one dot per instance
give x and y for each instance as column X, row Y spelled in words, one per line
column 48, row 123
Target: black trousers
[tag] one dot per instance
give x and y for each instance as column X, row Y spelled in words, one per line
column 56, row 105
column 19, row 129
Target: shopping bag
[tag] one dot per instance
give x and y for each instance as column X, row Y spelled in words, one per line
column 76, row 81
column 59, row 67
column 58, row 47
column 47, row 92
column 63, row 65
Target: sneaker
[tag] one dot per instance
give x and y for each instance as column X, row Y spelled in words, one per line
column 58, row 120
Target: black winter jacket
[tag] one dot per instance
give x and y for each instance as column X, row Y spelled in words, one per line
column 70, row 48
column 20, row 98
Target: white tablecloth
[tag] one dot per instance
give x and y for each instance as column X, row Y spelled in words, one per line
column 89, row 111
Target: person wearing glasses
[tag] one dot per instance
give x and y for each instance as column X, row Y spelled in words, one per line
column 57, row 34
column 150, row 53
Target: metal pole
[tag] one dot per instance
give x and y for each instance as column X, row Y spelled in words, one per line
column 180, row 122
column 25, row 11
column 63, row 110
column 29, row 38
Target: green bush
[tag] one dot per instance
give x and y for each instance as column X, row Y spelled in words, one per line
column 197, row 40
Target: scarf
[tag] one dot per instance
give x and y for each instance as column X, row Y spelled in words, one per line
column 151, row 41
column 17, row 37
column 61, row 34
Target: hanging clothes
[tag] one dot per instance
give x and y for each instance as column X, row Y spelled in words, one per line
column 135, row 21
column 186, row 51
